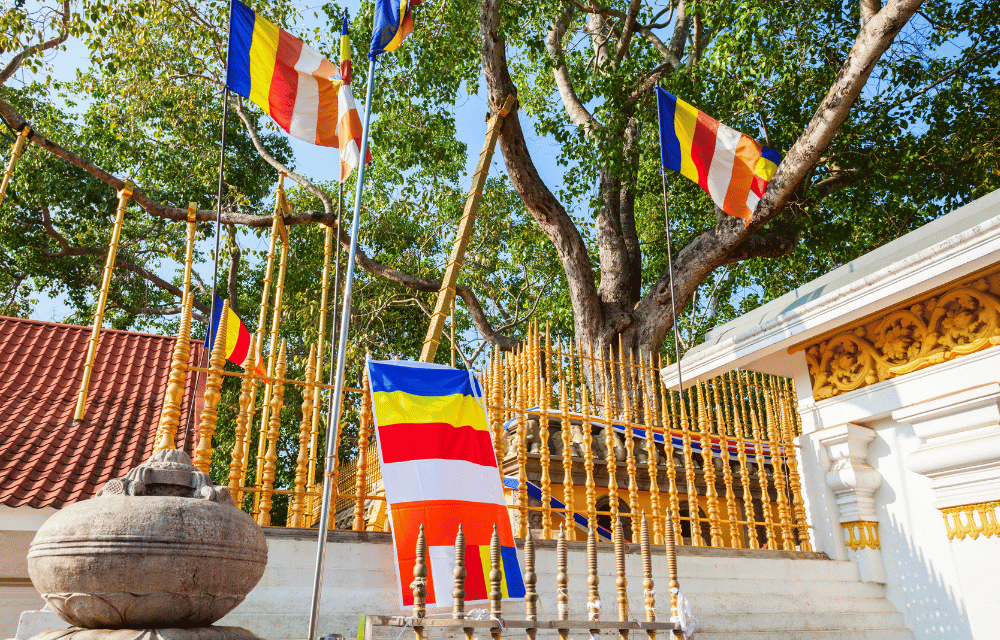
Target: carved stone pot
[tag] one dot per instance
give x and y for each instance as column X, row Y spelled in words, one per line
column 141, row 556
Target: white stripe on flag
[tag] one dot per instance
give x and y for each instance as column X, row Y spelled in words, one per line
column 752, row 200
column 349, row 150
column 720, row 172
column 305, row 114
column 434, row 479
column 442, row 561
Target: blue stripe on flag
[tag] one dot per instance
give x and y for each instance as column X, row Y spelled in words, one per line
column 420, row 379
column 512, row 572
column 771, row 154
column 241, row 21
column 670, row 146
column 210, row 336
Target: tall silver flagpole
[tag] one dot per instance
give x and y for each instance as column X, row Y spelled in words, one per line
column 673, row 297
column 336, row 399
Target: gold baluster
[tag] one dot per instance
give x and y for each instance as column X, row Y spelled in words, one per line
column 588, row 440
column 499, row 437
column 273, row 432
column 530, row 597
column 689, row 474
column 419, row 585
column 593, row 581
column 765, row 493
column 562, row 581
column 708, row 466
column 674, row 511
column 748, row 510
column 458, row 592
column 567, row 452
column 236, row 467
column 672, row 585
column 651, row 468
column 648, row 592
column 302, row 462
column 496, row 576
column 15, row 153
column 727, row 470
column 213, row 384
column 361, row 479
column 773, row 432
column 798, row 506
column 166, row 431
column 102, row 300
column 610, row 459
column 317, row 392
column 543, row 440
column 522, row 448
column 630, row 390
column 621, row 582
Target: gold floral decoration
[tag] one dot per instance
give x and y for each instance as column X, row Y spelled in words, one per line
column 980, row 520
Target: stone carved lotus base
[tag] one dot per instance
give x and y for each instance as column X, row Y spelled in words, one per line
column 197, row 633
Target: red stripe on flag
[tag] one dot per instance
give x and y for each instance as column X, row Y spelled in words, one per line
column 241, row 347
column 757, row 185
column 703, row 146
column 404, row 442
column 475, row 580
column 406, row 576
column 441, row 519
column 285, row 81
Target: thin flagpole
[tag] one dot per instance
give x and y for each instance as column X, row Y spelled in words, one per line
column 673, row 297
column 336, row 399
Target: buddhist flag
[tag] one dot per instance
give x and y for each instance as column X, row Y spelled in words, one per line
column 349, row 128
column 393, row 22
column 440, row 470
column 732, row 167
column 282, row 75
column 237, row 339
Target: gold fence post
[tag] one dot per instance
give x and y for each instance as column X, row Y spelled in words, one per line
column 237, row 467
column 496, row 392
column 674, row 502
column 15, row 153
column 273, row 432
column 649, row 594
column 610, row 459
column 774, row 434
column 689, row 475
column 798, row 506
column 621, row 581
column 562, row 581
column 496, row 577
column 530, row 579
column 630, row 411
column 166, row 431
column 708, row 468
column 102, row 299
column 302, row 462
column 736, row 401
column 361, row 479
column 593, row 580
column 567, row 451
column 419, row 585
column 727, row 470
column 213, row 385
column 320, row 350
column 651, row 463
column 765, row 494
column 543, row 439
column 522, row 449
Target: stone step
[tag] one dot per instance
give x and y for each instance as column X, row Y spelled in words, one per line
column 720, row 585
column 857, row 634
column 800, row 621
column 754, row 603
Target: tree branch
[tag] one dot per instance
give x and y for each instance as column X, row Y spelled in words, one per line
column 18, row 60
column 627, row 30
column 577, row 113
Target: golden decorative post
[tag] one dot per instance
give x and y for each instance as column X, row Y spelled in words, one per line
column 213, row 385
column 651, row 467
column 419, row 585
column 543, row 440
column 588, row 441
column 593, row 596
column 361, row 478
column 237, row 467
column 562, row 580
column 621, row 581
column 741, row 456
column 522, row 449
column 626, row 372
column 498, row 408
column 320, row 350
column 302, row 462
column 673, row 586
column 273, row 431
column 727, row 470
column 166, row 431
column 607, row 383
column 765, row 494
column 708, row 466
column 689, row 475
column 102, row 299
column 8, row 173
column 496, row 575
column 798, row 506
column 567, row 451
column 674, row 501
column 530, row 579
column 773, row 433
column 649, row 594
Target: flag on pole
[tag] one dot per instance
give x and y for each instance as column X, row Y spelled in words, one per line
column 731, row 166
column 292, row 82
column 393, row 22
column 237, row 339
column 439, row 470
column 349, row 128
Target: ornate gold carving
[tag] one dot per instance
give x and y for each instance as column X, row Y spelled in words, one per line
column 861, row 534
column 987, row 524
column 963, row 319
column 213, row 386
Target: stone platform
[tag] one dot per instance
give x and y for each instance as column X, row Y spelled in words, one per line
column 196, row 633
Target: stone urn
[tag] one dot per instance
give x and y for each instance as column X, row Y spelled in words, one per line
column 159, row 548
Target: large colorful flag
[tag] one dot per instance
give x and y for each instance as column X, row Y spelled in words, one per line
column 237, row 339
column 349, row 128
column 731, row 166
column 292, row 82
column 393, row 22
column 440, row 470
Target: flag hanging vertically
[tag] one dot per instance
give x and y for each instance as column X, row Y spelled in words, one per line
column 440, row 470
column 393, row 22
column 349, row 128
column 292, row 82
column 237, row 339
column 731, row 166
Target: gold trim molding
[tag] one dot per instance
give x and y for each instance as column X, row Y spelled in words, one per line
column 960, row 319
column 861, row 534
column 980, row 520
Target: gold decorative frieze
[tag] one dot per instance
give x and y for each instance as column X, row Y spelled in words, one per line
column 961, row 319
column 972, row 520
column 861, row 534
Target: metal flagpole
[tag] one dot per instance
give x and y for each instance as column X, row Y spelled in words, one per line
column 673, row 298
column 336, row 399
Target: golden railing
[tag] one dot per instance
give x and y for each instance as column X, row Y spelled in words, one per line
column 584, row 436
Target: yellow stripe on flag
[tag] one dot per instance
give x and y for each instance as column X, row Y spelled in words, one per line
column 685, row 119
column 395, row 407
column 765, row 168
column 263, row 53
column 484, row 555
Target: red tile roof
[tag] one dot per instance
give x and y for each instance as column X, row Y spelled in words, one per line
column 46, row 460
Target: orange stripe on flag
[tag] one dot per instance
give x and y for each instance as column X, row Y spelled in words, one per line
column 747, row 152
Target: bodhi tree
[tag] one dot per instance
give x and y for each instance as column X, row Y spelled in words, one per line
column 884, row 114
